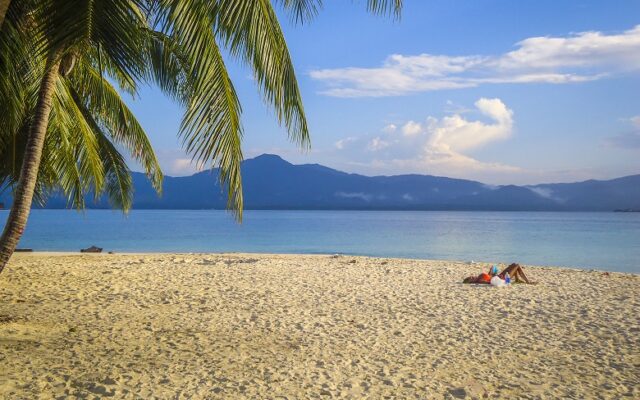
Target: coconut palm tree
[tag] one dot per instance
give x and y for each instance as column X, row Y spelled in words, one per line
column 60, row 109
column 87, row 124
column 175, row 43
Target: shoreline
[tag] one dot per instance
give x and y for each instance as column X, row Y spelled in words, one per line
column 566, row 240
column 244, row 253
column 238, row 325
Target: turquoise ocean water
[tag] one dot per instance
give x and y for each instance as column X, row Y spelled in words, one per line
column 608, row 241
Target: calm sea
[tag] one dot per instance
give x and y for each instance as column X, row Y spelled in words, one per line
column 587, row 240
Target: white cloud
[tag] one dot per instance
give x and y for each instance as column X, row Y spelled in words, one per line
column 455, row 133
column 546, row 193
column 377, row 144
column 342, row 143
column 359, row 195
column 584, row 50
column 174, row 162
column 441, row 146
column 184, row 166
column 389, row 128
column 557, row 60
column 181, row 164
column 411, row 128
column 452, row 136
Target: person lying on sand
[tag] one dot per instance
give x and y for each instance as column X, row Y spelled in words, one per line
column 515, row 271
column 482, row 278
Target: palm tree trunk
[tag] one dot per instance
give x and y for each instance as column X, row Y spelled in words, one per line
column 23, row 195
column 4, row 5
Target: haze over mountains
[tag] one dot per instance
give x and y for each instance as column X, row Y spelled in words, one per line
column 273, row 183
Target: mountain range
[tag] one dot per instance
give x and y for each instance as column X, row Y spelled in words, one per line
column 272, row 183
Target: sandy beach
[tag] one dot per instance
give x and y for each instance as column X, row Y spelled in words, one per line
column 190, row 326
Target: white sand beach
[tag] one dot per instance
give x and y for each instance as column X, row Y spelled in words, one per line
column 192, row 326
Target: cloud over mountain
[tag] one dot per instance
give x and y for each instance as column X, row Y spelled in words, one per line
column 440, row 145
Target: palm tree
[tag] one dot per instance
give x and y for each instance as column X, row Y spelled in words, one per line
column 176, row 44
column 78, row 117
column 89, row 122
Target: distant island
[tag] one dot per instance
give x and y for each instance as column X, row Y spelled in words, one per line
column 273, row 183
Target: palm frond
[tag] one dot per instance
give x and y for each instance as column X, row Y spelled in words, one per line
column 86, row 149
column 211, row 128
column 302, row 11
column 385, row 7
column 168, row 66
column 112, row 115
column 251, row 31
column 118, row 182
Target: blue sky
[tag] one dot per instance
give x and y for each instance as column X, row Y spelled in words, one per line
column 498, row 91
